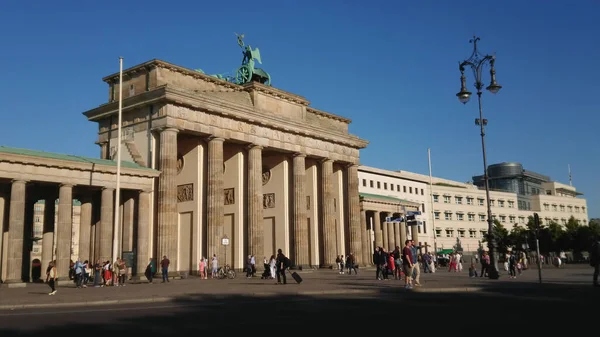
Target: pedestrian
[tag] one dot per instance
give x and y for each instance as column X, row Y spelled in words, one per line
column 51, row 278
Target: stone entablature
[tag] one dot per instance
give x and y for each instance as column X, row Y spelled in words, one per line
column 31, row 168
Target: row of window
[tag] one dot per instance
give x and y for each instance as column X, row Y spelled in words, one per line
column 398, row 188
column 471, row 201
column 449, row 233
column 562, row 208
column 502, row 218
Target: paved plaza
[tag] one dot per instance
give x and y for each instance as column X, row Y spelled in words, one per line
column 325, row 298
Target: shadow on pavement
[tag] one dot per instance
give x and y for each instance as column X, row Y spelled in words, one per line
column 498, row 304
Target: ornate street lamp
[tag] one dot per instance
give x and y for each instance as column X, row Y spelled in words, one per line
column 477, row 62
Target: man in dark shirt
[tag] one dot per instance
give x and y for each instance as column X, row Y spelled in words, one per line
column 164, row 265
column 407, row 263
column 282, row 265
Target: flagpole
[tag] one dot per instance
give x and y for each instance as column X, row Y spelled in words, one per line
column 115, row 251
column 431, row 197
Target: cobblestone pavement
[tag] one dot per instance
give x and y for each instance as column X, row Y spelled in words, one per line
column 577, row 279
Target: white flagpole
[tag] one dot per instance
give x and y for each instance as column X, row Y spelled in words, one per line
column 570, row 176
column 115, row 251
column 431, row 196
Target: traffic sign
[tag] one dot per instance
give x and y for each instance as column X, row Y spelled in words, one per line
column 225, row 241
column 414, row 213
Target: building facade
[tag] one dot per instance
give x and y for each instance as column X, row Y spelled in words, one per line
column 456, row 212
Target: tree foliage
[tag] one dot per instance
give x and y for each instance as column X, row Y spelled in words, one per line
column 553, row 238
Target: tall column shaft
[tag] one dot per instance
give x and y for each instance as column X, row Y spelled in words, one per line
column 215, row 198
column 385, row 234
column 128, row 217
column 403, row 233
column 64, row 231
column 377, row 226
column 301, row 253
column 105, row 232
column 48, row 232
column 329, row 234
column 16, row 232
column 85, row 229
column 143, row 232
column 3, row 212
column 364, row 239
column 255, row 204
column 414, row 230
column 167, row 197
column 391, row 236
column 354, row 214
column 397, row 226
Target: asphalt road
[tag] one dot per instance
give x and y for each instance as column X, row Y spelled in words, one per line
column 429, row 312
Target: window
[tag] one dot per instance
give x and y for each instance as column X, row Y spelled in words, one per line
column 385, row 186
column 37, row 219
column 501, row 203
column 379, row 184
column 471, row 217
column 576, row 208
column 469, row 201
column 483, row 233
column 583, row 209
column 458, row 200
column 461, row 233
column 521, row 219
column 404, row 189
column 472, row 233
column 480, row 201
column 446, row 199
column 371, row 183
column 436, row 215
column 365, row 182
column 546, row 207
column 503, row 218
column 391, row 187
column 436, row 198
column 512, row 219
column 447, row 216
column 410, row 190
column 398, row 188
column 562, row 208
column 459, row 216
column 131, row 90
column 555, row 208
column 449, row 233
column 481, row 217
column 570, row 208
column 422, row 192
column 492, row 202
column 438, row 233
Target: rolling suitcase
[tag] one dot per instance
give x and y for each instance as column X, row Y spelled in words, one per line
column 296, row 277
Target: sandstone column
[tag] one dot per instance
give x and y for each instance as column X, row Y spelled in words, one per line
column 85, row 228
column 143, row 232
column 366, row 252
column 397, row 226
column 214, row 199
column 378, row 232
column 403, row 230
column 3, row 212
column 16, row 232
column 255, row 204
column 301, row 253
column 103, row 150
column 414, row 230
column 385, row 234
column 167, row 197
column 48, row 233
column 64, row 231
column 105, row 232
column 391, row 236
column 329, row 234
column 354, row 214
column 127, row 227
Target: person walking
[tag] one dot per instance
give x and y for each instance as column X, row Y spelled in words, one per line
column 164, row 265
column 282, row 265
column 51, row 278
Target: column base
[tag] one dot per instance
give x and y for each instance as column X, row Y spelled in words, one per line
column 326, row 266
column 13, row 284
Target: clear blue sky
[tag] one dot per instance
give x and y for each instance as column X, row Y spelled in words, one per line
column 390, row 66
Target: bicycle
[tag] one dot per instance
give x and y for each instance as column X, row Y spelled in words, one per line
column 226, row 272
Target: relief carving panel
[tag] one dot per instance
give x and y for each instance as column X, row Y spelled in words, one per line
column 185, row 193
column 229, row 196
column 269, row 200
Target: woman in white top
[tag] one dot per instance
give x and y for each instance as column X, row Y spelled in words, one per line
column 51, row 278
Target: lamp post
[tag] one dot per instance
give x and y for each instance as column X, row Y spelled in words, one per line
column 477, row 62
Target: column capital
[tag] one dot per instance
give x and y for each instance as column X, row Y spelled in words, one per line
column 101, row 142
column 169, row 129
column 254, row 146
column 144, row 191
column 299, row 154
column 19, row 181
column 66, row 185
column 351, row 165
column 325, row 160
column 215, row 138
column 108, row 188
